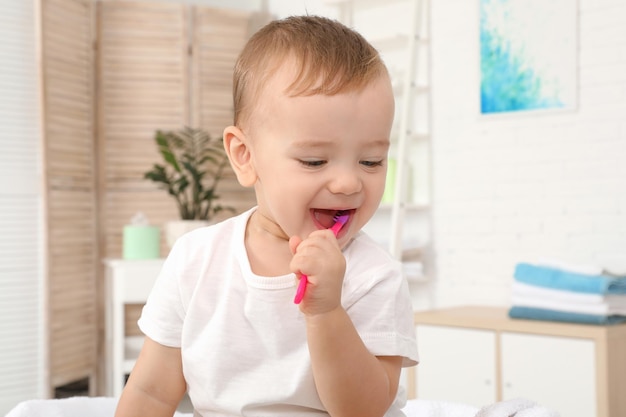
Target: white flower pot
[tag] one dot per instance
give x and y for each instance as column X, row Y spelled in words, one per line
column 176, row 228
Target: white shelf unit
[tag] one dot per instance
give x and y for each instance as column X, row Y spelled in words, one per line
column 127, row 282
column 405, row 48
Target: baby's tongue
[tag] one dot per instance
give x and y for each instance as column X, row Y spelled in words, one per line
column 325, row 217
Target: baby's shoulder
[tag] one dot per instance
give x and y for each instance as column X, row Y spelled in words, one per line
column 207, row 240
column 365, row 253
column 364, row 245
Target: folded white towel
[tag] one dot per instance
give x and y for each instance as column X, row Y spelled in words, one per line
column 529, row 290
column 599, row 309
column 506, row 408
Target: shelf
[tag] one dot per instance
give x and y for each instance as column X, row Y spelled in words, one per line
column 405, row 48
column 398, row 87
column 414, row 272
column 389, row 43
column 412, row 207
column 396, row 42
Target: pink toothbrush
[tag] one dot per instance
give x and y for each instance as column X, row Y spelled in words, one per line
column 340, row 218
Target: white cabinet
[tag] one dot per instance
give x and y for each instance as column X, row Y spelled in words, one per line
column 458, row 361
column 460, row 364
column 558, row 372
column 478, row 356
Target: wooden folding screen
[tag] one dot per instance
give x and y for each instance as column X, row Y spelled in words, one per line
column 111, row 78
column 218, row 37
column 161, row 66
column 142, row 82
column 67, row 29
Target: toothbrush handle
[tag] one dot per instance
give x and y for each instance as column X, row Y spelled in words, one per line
column 301, row 288
column 335, row 228
column 303, row 279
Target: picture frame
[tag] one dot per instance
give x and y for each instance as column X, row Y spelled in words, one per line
column 528, row 55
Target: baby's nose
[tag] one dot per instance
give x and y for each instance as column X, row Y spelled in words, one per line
column 345, row 181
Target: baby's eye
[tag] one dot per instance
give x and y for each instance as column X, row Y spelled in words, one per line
column 372, row 164
column 313, row 163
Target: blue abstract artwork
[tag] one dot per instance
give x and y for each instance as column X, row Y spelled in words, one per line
column 528, row 55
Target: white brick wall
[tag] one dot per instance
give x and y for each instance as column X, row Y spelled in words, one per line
column 522, row 187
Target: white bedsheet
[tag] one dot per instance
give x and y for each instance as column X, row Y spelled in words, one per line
column 69, row 407
column 426, row 408
column 105, row 407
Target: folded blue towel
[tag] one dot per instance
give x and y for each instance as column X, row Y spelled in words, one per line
column 531, row 313
column 547, row 277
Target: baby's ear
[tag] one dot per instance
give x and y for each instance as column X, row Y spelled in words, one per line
column 236, row 146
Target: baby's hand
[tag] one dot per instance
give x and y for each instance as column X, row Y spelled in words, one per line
column 319, row 257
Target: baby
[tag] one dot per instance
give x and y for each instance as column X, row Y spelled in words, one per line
column 314, row 108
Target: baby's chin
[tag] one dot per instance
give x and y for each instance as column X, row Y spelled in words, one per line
column 345, row 241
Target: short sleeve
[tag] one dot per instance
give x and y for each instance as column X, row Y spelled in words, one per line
column 378, row 301
column 163, row 315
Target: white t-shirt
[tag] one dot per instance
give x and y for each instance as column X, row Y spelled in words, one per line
column 243, row 340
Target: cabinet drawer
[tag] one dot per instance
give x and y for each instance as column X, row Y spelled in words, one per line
column 557, row 372
column 456, row 365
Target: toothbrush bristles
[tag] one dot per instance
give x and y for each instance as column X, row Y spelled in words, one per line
column 341, row 216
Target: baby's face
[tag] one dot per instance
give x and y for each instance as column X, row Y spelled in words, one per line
column 314, row 155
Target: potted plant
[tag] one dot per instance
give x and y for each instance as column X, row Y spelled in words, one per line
column 193, row 164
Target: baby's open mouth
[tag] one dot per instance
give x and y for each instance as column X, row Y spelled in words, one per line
column 326, row 218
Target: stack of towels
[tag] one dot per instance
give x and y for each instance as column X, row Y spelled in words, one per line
column 558, row 292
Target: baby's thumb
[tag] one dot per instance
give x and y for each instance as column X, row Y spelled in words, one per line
column 294, row 241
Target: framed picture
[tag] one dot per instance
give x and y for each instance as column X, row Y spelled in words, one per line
column 528, row 55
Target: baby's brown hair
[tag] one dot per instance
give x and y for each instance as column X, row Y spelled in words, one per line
column 330, row 58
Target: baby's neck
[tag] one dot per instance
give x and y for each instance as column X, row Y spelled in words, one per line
column 267, row 247
column 260, row 225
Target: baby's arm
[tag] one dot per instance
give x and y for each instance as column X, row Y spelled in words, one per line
column 156, row 384
column 349, row 379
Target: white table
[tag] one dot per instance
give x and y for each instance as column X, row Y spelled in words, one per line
column 126, row 282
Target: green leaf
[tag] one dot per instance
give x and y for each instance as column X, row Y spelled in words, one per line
column 193, row 164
